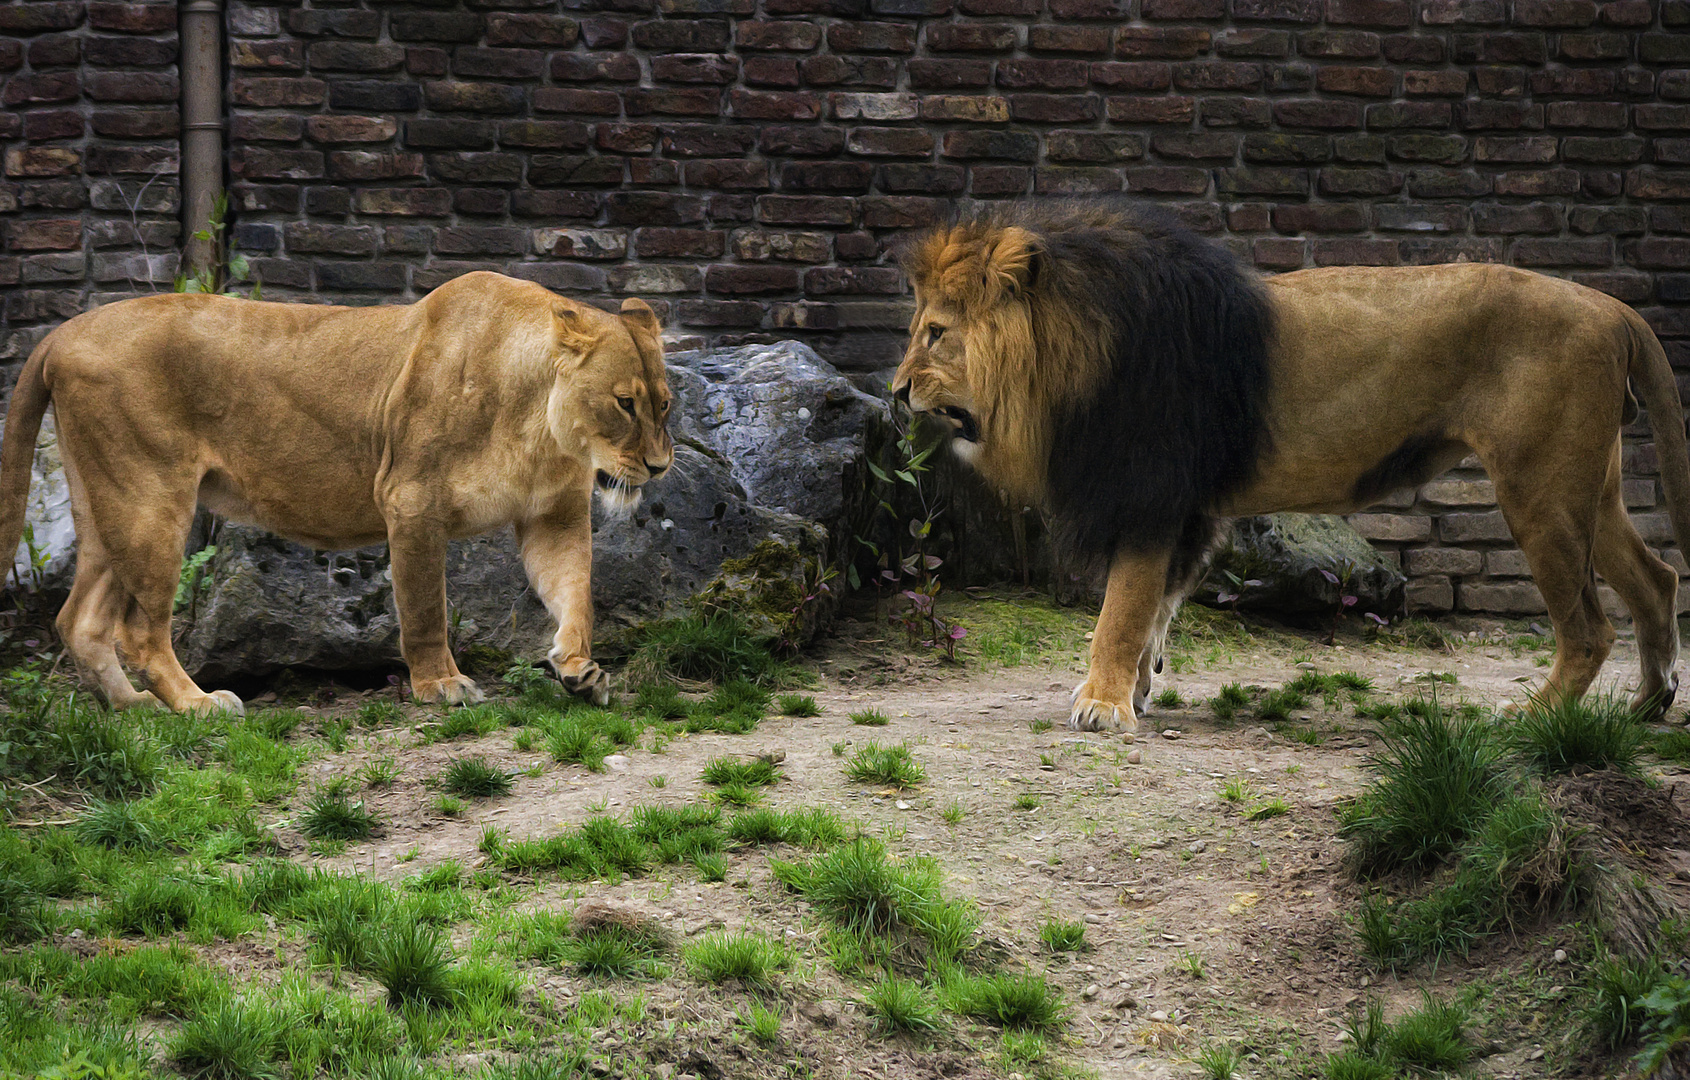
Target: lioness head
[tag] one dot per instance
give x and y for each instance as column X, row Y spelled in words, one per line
column 612, row 396
column 972, row 348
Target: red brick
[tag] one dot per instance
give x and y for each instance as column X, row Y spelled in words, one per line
column 1318, row 114
column 278, row 92
column 157, row 18
column 583, row 102
column 1158, row 43
column 1355, row 252
column 550, row 31
column 1092, row 40
column 1390, row 13
column 1279, row 254
column 1361, row 81
column 1133, row 76
column 906, row 211
column 783, row 34
column 869, row 280
column 889, row 142
column 1167, row 180
column 971, row 37
column 775, row 105
column 1217, row 75
column 694, row 101
column 1593, row 251
column 990, row 181
column 949, row 74
column 1151, row 110
column 1555, row 14
column 595, row 67
column 871, row 37
column 44, row 234
column 667, row 243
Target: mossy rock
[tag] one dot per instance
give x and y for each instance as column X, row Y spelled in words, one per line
column 1287, row 557
column 778, row 589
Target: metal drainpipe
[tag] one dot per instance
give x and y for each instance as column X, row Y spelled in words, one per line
column 201, row 30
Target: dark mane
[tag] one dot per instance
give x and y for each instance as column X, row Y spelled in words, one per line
column 1176, row 423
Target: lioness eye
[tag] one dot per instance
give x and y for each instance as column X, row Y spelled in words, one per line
column 627, row 404
column 934, row 333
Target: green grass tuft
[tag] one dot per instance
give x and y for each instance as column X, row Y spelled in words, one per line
column 747, row 957
column 798, row 705
column 413, row 962
column 889, row 765
column 1023, row 1001
column 898, row 1004
column 756, row 772
column 1596, row 732
column 870, row 718
column 229, row 1041
column 473, row 778
column 1060, row 935
column 717, row 647
column 329, row 815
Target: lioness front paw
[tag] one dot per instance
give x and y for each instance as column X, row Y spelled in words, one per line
column 218, row 701
column 455, row 690
column 1090, row 713
column 583, row 677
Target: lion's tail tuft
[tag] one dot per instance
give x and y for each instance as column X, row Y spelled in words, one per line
column 1651, row 373
column 17, row 449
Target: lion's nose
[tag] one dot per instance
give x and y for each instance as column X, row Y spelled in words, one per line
column 655, row 470
column 902, row 393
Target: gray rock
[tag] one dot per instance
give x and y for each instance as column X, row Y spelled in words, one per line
column 1286, row 554
column 768, row 444
column 45, row 559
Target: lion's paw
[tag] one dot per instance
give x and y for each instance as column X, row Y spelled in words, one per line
column 218, row 701
column 583, row 677
column 456, row 690
column 1088, row 713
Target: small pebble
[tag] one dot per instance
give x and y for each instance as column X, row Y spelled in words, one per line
column 1560, row 956
column 1197, row 847
column 1089, row 992
column 902, row 805
column 616, row 762
column 1170, row 734
column 1134, row 757
column 1159, row 1016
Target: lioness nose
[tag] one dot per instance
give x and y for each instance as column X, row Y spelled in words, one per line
column 902, row 393
column 656, row 470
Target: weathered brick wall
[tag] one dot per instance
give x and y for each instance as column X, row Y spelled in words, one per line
column 88, row 128
column 745, row 164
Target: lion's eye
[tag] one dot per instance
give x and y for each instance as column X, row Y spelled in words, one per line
column 934, row 333
column 627, row 404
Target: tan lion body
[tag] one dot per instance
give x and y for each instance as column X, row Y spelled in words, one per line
column 1376, row 374
column 490, row 402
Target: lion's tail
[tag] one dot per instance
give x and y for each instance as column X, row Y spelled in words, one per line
column 1651, row 373
column 17, row 450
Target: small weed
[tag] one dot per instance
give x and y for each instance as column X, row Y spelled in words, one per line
column 798, row 705
column 1026, row 801
column 737, row 794
column 659, row 781
column 229, row 1041
column 473, row 778
column 380, row 714
column 890, row 765
column 953, row 812
column 1023, row 1001
column 1227, row 703
column 761, row 1024
column 449, row 805
column 1060, row 935
column 756, row 772
column 869, row 718
column 1430, row 1039
column 1169, row 699
column 711, row 868
column 380, row 772
column 1191, row 963
column 413, row 962
column 1597, row 732
column 1614, row 1012
column 1236, row 791
column 1039, row 727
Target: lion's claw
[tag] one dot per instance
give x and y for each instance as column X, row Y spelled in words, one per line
column 584, row 678
column 1088, row 713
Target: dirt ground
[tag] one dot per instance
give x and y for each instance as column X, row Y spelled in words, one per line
column 1167, row 876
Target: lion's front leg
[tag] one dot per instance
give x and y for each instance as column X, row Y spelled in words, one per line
column 1132, row 604
column 557, row 552
column 417, row 548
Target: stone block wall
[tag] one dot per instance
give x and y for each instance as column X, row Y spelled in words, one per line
column 747, row 165
column 89, row 119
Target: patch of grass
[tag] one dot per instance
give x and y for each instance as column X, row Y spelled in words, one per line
column 815, row 828
column 106, row 755
column 614, row 952
column 332, row 816
column 1437, row 779
column 1597, row 732
column 380, row 772
column 1226, row 704
column 413, row 962
column 761, row 1024
column 737, row 794
column 1350, row 1065
column 798, row 705
column 1169, row 699
column 1060, row 935
column 756, row 772
column 859, row 888
column 953, row 812
column 1026, row 801
column 661, row 701
column 889, row 765
column 115, row 825
column 711, row 868
column 1267, row 808
column 746, row 957
column 1022, row 1001
column 379, row 714
column 1430, row 1039
column 1219, row 1061
column 1191, row 963
column 229, row 1040
column 716, row 647
column 1236, row 790
column 897, row 1004
column 1613, row 1012
column 473, row 778
column 870, row 718
column 449, row 805
column 1281, row 703
column 733, row 708
column 152, row 903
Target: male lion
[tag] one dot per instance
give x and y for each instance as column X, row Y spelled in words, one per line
column 490, row 401
column 1101, row 360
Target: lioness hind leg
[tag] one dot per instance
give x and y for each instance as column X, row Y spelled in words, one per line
column 1649, row 589
column 88, row 625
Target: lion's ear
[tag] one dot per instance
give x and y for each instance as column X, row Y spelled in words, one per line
column 1012, row 265
column 642, row 323
column 575, row 335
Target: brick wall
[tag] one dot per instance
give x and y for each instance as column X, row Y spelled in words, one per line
column 88, row 127
column 744, row 164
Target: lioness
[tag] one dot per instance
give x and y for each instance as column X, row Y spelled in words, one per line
column 1100, row 359
column 490, row 401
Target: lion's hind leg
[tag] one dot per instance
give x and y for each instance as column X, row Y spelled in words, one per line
column 1551, row 506
column 88, row 624
column 1649, row 589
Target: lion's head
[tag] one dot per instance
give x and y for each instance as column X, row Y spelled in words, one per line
column 1093, row 356
column 611, row 397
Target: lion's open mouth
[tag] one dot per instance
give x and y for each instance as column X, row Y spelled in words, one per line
column 967, row 428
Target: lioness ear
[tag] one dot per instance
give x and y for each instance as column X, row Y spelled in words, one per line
column 1012, row 264
column 642, row 320
column 573, row 332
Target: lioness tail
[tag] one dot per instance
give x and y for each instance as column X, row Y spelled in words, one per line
column 17, row 450
column 1651, row 373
